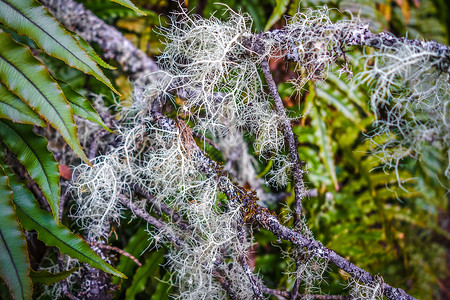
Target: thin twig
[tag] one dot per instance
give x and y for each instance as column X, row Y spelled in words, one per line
column 286, row 295
column 277, row 293
column 297, row 172
column 174, row 216
column 211, row 143
column 224, row 283
column 295, row 292
column 251, row 276
column 115, row 249
column 93, row 147
column 62, row 202
column 149, row 219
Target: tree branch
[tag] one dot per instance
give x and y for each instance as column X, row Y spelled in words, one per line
column 299, row 188
column 149, row 219
column 115, row 249
column 358, row 36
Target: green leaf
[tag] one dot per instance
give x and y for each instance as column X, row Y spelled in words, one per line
column 129, row 4
column 342, row 105
column 14, row 109
column 28, row 78
column 31, row 150
column 92, row 53
column 28, row 17
column 33, row 217
column 14, row 264
column 45, row 277
column 143, row 273
column 81, row 107
column 351, row 92
column 326, row 152
column 278, row 11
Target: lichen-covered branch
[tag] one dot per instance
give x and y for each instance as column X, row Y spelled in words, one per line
column 297, row 172
column 149, row 219
column 267, row 220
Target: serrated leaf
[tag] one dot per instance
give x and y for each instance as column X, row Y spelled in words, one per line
column 278, row 11
column 340, row 104
column 31, row 150
column 129, row 4
column 324, row 142
column 45, row 277
column 28, row 78
column 143, row 273
column 14, row 109
column 28, row 17
column 81, row 107
column 33, row 217
column 92, row 53
column 14, row 264
column 351, row 92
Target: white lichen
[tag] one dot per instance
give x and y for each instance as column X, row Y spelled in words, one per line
column 304, row 265
column 410, row 98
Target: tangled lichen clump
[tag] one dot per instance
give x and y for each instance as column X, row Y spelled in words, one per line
column 359, row 290
column 411, row 99
column 314, row 42
column 161, row 162
column 207, row 55
column 304, row 266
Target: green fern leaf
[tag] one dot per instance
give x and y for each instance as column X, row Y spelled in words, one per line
column 28, row 78
column 278, row 11
column 52, row 234
column 129, row 4
column 14, row 109
column 142, row 274
column 137, row 244
column 48, row 278
column 14, row 264
column 28, row 17
column 31, row 150
column 92, row 53
column 81, row 107
column 324, row 141
column 340, row 104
